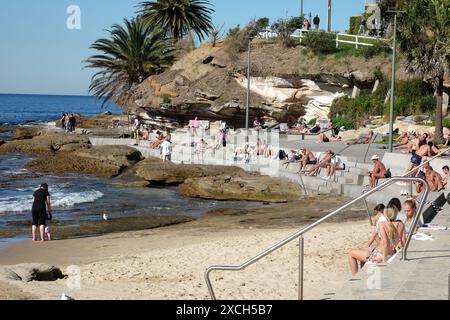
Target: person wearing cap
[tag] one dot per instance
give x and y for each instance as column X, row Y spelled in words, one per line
column 378, row 172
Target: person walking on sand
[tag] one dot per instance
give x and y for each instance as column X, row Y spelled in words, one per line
column 166, row 150
column 39, row 211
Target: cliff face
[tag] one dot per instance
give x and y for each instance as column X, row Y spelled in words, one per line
column 210, row 83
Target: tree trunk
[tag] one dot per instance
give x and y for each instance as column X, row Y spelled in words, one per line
column 191, row 40
column 439, row 135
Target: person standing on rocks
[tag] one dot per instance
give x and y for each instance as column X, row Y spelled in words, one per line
column 39, row 211
column 166, row 150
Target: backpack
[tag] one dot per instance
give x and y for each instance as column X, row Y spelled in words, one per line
column 282, row 155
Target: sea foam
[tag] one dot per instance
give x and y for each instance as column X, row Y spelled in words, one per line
column 59, row 200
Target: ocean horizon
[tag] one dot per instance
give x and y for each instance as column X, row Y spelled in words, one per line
column 25, row 108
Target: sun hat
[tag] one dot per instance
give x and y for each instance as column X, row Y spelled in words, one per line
column 375, row 157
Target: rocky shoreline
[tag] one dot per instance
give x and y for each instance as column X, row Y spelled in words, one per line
column 60, row 152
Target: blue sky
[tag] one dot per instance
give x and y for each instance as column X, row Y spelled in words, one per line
column 40, row 55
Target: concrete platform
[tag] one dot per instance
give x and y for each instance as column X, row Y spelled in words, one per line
column 424, row 276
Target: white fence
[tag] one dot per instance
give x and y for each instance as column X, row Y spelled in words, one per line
column 357, row 43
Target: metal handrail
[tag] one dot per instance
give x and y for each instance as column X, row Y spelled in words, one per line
column 440, row 154
column 299, row 235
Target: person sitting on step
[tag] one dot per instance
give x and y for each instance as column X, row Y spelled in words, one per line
column 378, row 172
column 390, row 238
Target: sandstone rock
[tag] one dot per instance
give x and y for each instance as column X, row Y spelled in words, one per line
column 250, row 188
column 218, row 63
column 157, row 172
column 106, row 161
column 43, row 144
column 6, row 274
column 180, row 81
column 206, row 95
column 24, row 133
column 37, row 272
column 2, row 142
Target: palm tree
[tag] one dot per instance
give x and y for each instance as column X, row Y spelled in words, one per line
column 128, row 57
column 424, row 36
column 180, row 17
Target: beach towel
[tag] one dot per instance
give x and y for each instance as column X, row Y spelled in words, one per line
column 431, row 226
column 422, row 237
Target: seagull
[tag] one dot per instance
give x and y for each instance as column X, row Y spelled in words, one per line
column 65, row 297
column 105, row 217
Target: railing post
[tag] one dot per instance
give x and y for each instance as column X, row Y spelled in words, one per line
column 337, row 41
column 357, row 46
column 301, row 244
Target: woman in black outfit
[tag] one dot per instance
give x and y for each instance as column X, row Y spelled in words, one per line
column 39, row 211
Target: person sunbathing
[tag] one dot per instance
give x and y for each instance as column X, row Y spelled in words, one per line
column 293, row 157
column 323, row 138
column 336, row 164
column 433, row 178
column 202, row 146
column 389, row 238
column 378, row 172
column 427, row 150
column 299, row 128
column 159, row 140
column 446, row 171
column 323, row 163
column 366, row 139
column 308, row 158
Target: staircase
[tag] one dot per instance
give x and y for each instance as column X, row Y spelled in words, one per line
column 425, row 276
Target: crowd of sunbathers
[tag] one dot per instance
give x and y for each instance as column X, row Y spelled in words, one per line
column 392, row 223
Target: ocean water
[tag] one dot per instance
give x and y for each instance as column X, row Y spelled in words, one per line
column 77, row 197
column 19, row 109
column 80, row 197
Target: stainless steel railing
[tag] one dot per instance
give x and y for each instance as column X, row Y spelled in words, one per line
column 299, row 235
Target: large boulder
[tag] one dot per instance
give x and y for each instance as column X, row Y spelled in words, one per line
column 25, row 133
column 107, row 161
column 157, row 172
column 251, row 187
column 30, row 272
column 43, row 144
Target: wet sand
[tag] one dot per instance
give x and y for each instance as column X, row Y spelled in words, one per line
column 168, row 263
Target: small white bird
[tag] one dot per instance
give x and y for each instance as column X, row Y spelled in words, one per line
column 105, row 217
column 66, row 297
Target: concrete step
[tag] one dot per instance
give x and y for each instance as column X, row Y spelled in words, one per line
column 423, row 276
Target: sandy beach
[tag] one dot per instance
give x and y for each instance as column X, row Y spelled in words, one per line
column 169, row 263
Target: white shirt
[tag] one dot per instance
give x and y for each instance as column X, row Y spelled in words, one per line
column 166, row 148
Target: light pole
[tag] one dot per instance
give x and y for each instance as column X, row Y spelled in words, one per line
column 301, row 8
column 394, row 60
column 248, row 89
column 329, row 17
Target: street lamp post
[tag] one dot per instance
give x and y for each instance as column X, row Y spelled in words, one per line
column 248, row 89
column 329, row 17
column 394, row 60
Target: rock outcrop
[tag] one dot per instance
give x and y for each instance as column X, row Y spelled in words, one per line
column 249, row 187
column 30, row 272
column 159, row 173
column 210, row 83
column 44, row 143
column 108, row 161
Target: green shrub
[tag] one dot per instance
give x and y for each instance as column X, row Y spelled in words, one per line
column 363, row 51
column 321, row 42
column 312, row 122
column 166, row 100
column 354, row 24
column 339, row 122
column 356, row 110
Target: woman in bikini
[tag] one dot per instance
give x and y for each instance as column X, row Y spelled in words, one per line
column 389, row 236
